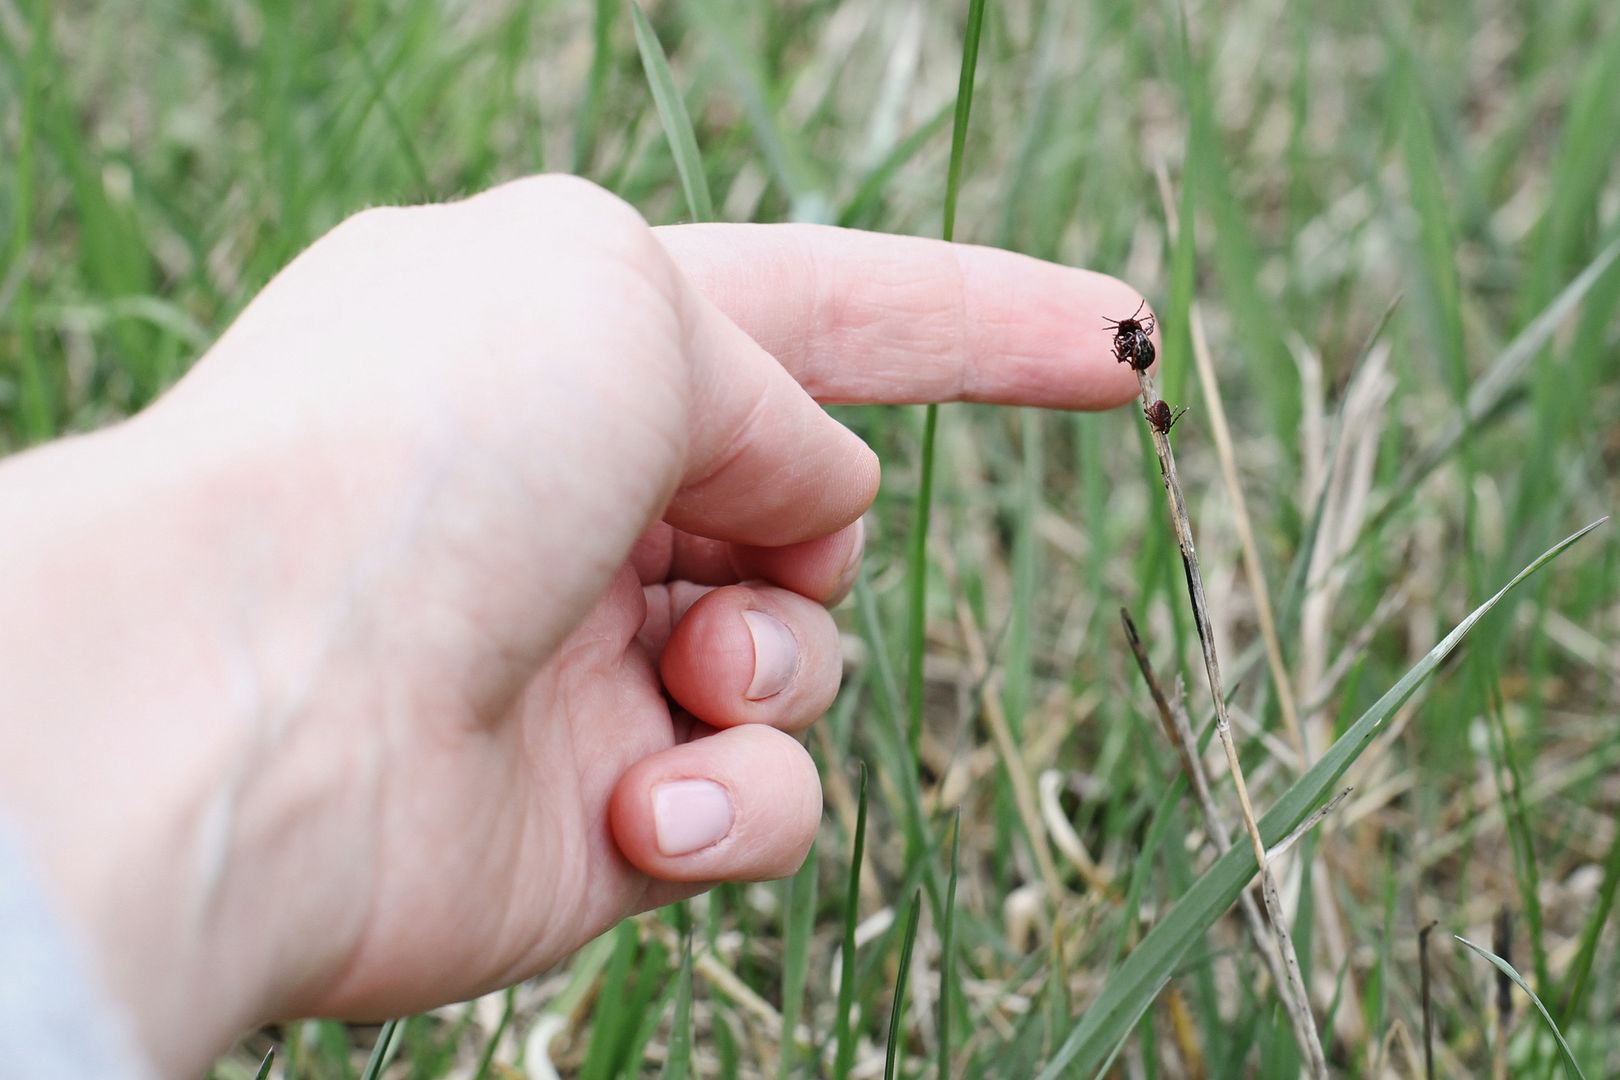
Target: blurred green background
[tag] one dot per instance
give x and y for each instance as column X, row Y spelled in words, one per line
column 1397, row 226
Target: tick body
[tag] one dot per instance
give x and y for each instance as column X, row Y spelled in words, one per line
column 1161, row 418
column 1133, row 341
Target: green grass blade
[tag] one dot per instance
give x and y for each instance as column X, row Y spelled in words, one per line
column 1133, row 986
column 333, row 1048
column 1436, row 241
column 508, row 1009
column 614, row 1018
column 379, row 1053
column 862, row 206
column 947, row 949
column 1507, row 969
column 964, row 108
column 1509, row 780
column 897, row 1013
column 844, row 1059
column 379, row 90
column 894, row 756
column 38, row 396
column 885, row 685
column 1581, row 969
column 649, row 1018
column 264, row 1066
column 672, row 115
column 1183, row 282
column 1491, row 390
column 799, row 921
column 1293, row 594
column 678, row 1065
column 917, row 583
column 917, row 580
column 786, row 154
column 590, row 104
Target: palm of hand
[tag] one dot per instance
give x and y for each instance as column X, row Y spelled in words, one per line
column 515, row 806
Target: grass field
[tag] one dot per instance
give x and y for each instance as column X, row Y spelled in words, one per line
column 1391, row 233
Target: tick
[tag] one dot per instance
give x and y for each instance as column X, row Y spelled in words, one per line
column 1133, row 343
column 1161, row 418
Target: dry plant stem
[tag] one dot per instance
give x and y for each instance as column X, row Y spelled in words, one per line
column 1351, row 1020
column 1294, row 997
column 714, row 971
column 1178, row 729
column 1185, row 1033
column 1502, row 945
column 1017, row 770
column 1251, row 553
column 1423, row 975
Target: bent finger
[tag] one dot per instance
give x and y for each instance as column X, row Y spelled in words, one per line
column 742, row 804
column 753, row 654
column 823, row 569
column 765, row 465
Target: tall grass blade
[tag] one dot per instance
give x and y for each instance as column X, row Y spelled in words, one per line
column 1138, row 980
column 898, row 1012
column 590, row 104
column 947, row 949
column 379, row 90
column 964, row 108
column 649, row 1018
column 900, row 765
column 1490, row 392
column 917, row 584
column 1507, row 969
column 678, row 1065
column 799, row 920
column 784, row 151
column 380, row 1055
column 1581, row 969
column 672, row 115
column 917, row 580
column 264, row 1066
column 616, row 1013
column 508, row 1010
column 862, row 206
column 844, row 1059
column 36, row 393
column 1509, row 780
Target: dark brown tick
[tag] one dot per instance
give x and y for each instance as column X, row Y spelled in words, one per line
column 1133, row 342
column 1159, row 415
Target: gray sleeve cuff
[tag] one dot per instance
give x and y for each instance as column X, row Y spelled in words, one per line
column 56, row 1022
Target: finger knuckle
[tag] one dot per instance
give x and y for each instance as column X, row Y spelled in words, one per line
column 372, row 235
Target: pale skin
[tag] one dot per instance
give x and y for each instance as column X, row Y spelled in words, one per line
column 338, row 681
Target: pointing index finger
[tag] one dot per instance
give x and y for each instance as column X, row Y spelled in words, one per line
column 865, row 318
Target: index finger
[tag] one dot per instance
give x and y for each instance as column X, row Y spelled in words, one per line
column 864, row 318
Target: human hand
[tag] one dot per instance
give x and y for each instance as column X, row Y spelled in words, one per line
column 371, row 691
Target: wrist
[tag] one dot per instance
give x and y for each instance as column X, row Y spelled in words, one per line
column 138, row 748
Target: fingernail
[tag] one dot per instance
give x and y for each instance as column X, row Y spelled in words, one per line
column 776, row 654
column 846, row 577
column 689, row 815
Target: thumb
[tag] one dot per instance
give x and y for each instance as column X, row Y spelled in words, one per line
column 741, row 804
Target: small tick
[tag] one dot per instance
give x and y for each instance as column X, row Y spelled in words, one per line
column 1133, row 343
column 1161, row 418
